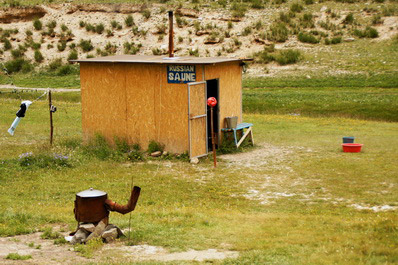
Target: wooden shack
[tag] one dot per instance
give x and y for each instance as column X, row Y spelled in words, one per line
column 144, row 98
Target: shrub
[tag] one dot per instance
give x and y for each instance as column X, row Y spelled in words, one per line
column 284, row 17
column 66, row 70
column 336, row 40
column 52, row 24
column 36, row 45
column 72, row 55
column 349, row 19
column 146, row 13
column 288, row 57
column 247, row 30
column 86, row 45
column 278, row 32
column 154, row 146
column 371, row 32
column 7, row 44
column 376, row 20
column 37, row 24
column 129, row 21
column 55, row 64
column 257, row 4
column 307, row 38
column 296, row 8
column 82, row 23
column 131, row 48
column 308, row 2
column 18, row 65
column 28, row 32
column 61, row 46
column 238, row 9
column 156, row 51
column 89, row 27
column 38, row 56
column 17, row 53
column 193, row 52
column 64, row 27
column 265, row 55
column 99, row 28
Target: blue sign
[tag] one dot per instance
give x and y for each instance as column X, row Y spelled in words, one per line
column 181, row 74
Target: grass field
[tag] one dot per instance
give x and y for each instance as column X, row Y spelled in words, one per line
column 300, row 204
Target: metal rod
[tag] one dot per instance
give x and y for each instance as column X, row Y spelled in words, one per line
column 212, row 137
column 51, row 117
column 171, row 35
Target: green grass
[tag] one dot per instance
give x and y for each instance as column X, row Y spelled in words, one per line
column 345, row 81
column 42, row 80
column 184, row 206
column 360, row 103
column 16, row 256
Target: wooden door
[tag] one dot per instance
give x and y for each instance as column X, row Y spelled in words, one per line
column 197, row 115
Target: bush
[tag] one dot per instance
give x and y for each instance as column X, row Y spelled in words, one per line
column 307, row 38
column 89, row 27
column 154, row 146
column 129, row 21
column 349, row 19
column 17, row 53
column 278, row 32
column 369, row 32
column 72, row 55
column 308, row 2
column 238, row 10
column 99, row 28
column 86, row 45
column 52, row 24
column 61, row 46
column 296, row 8
column 38, row 56
column 18, row 65
column 66, row 70
column 37, row 24
column 336, row 40
column 36, row 45
column 55, row 64
column 146, row 13
column 257, row 4
column 16, row 256
column 7, row 44
column 64, row 27
column 288, row 57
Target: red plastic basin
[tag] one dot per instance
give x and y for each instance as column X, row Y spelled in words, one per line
column 352, row 148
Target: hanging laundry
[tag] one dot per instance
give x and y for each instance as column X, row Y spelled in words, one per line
column 20, row 114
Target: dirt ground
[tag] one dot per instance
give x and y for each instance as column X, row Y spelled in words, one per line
column 49, row 253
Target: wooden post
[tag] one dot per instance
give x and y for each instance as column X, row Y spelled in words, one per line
column 51, row 117
column 212, row 137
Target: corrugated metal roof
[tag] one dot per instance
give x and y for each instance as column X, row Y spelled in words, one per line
column 159, row 59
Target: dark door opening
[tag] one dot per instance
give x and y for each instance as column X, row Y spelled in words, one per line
column 212, row 91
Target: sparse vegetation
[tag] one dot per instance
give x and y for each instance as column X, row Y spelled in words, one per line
column 86, row 45
column 129, row 21
column 37, row 24
column 38, row 56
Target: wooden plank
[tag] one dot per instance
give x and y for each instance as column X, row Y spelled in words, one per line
column 244, row 137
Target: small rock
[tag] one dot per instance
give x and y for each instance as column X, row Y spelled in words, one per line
column 88, row 227
column 165, row 153
column 194, row 160
column 156, row 154
column 349, row 39
column 308, row 77
column 110, row 235
column 324, row 8
column 79, row 237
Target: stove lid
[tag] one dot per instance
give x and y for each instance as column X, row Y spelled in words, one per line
column 91, row 193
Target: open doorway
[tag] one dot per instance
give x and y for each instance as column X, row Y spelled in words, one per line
column 213, row 91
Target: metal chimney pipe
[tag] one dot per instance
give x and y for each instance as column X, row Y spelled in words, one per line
column 171, row 35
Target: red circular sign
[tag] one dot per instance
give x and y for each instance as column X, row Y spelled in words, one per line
column 212, row 102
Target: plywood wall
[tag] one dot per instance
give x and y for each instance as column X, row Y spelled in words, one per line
column 230, row 89
column 103, row 100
